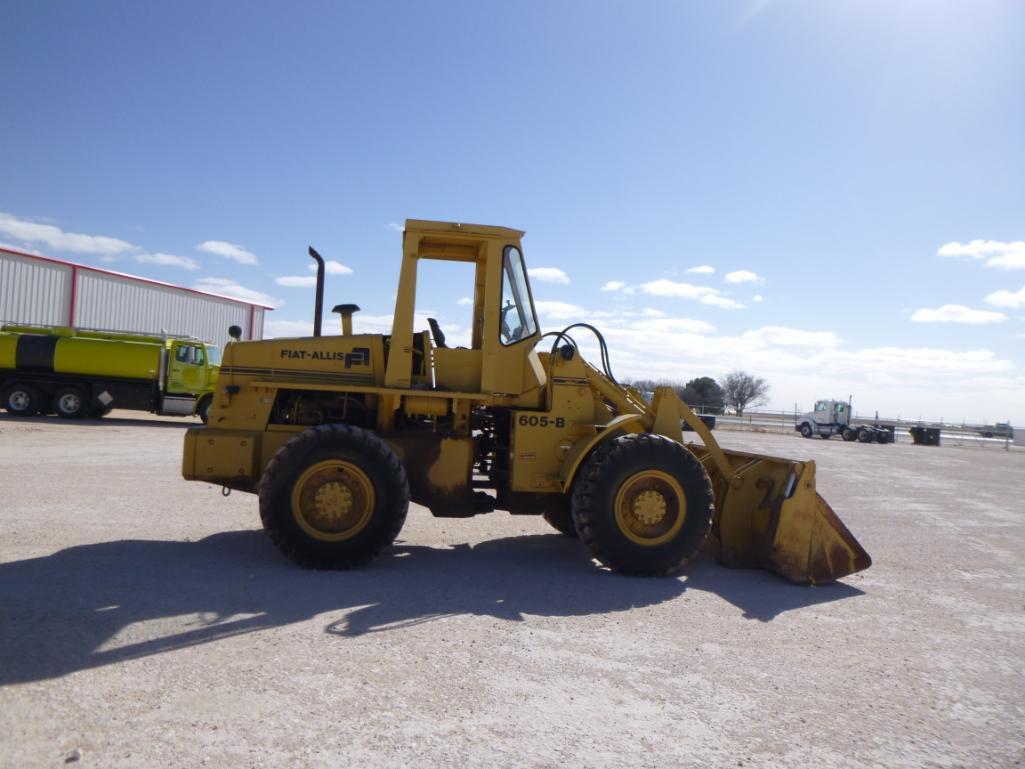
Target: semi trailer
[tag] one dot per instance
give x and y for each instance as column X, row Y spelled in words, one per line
column 79, row 372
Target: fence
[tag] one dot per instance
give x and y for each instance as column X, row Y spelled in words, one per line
column 951, row 433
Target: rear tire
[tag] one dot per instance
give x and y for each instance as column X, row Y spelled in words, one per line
column 864, row 436
column 849, row 434
column 21, row 399
column 333, row 497
column 642, row 504
column 806, row 430
column 203, row 410
column 70, row 403
column 883, row 437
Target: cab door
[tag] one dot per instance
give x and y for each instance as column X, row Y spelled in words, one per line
column 182, row 372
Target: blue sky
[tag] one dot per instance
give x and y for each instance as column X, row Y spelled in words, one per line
column 851, row 172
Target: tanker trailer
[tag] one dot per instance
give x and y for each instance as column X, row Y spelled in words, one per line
column 77, row 373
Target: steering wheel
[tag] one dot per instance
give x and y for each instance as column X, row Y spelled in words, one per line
column 436, row 332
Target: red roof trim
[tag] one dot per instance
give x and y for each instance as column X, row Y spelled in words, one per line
column 133, row 277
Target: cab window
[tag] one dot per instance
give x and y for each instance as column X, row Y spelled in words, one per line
column 214, row 355
column 517, row 316
column 183, row 353
column 197, row 356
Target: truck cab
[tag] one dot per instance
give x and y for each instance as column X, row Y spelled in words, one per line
column 828, row 418
column 192, row 368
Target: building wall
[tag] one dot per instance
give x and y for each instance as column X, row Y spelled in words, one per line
column 36, row 290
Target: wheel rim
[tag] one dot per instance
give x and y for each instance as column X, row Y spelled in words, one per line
column 650, row 508
column 333, row 500
column 19, row 400
column 69, row 403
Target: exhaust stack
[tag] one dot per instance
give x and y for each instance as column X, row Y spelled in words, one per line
column 319, row 309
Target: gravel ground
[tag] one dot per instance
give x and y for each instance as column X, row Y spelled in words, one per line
column 145, row 621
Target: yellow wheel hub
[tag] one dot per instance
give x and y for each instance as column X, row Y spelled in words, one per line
column 333, row 500
column 650, row 508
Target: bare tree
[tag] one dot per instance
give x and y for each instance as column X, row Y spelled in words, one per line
column 741, row 390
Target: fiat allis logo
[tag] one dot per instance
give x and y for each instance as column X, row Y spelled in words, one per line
column 358, row 356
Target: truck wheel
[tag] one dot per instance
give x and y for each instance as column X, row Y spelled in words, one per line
column 203, row 410
column 864, row 436
column 849, row 434
column 806, row 430
column 883, row 436
column 70, row 403
column 642, row 504
column 21, row 399
column 333, row 497
column 559, row 516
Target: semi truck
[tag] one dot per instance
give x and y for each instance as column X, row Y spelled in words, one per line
column 76, row 372
column 832, row 417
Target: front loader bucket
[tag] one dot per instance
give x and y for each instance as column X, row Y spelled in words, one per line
column 768, row 514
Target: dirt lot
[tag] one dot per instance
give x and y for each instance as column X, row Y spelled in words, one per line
column 145, row 621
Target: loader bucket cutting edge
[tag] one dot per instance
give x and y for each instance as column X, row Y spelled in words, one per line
column 769, row 515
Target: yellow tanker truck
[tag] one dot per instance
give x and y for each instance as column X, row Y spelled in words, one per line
column 78, row 373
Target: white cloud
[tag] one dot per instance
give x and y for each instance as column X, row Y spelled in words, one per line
column 703, row 294
column 287, row 328
column 613, row 285
column 465, row 300
column 228, row 251
column 758, row 298
column 22, row 249
column 228, row 287
column 56, row 239
column 548, row 275
column 741, row 276
column 671, row 325
column 793, row 337
column 331, row 267
column 397, row 227
column 297, row 281
column 956, row 313
column 703, row 269
column 560, row 310
column 1010, row 299
column 168, row 260
column 1008, row 256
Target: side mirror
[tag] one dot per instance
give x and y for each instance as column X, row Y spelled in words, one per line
column 235, row 332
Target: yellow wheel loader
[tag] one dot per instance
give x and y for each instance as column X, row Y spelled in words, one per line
column 336, row 434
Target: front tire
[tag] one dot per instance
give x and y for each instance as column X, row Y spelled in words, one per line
column 559, row 516
column 333, row 497
column 806, row 430
column 21, row 400
column 643, row 505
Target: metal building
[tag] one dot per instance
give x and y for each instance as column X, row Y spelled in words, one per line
column 53, row 292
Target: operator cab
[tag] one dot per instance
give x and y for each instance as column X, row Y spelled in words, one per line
column 501, row 357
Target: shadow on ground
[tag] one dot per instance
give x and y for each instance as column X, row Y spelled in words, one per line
column 51, row 420
column 75, row 609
